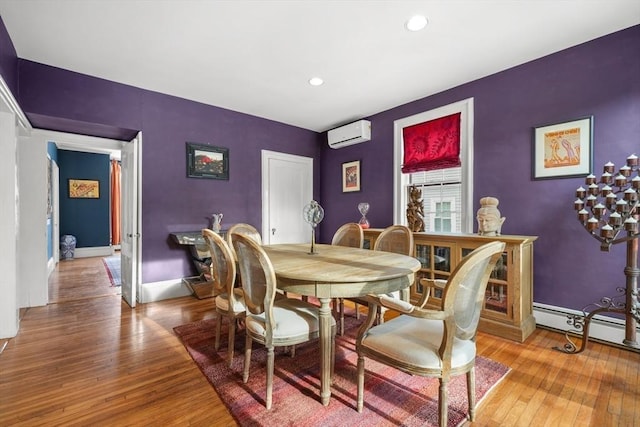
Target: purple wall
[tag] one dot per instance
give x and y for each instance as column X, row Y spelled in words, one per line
column 599, row 78
column 61, row 100
column 8, row 60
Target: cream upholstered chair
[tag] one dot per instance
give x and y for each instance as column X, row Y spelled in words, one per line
column 350, row 235
column 247, row 230
column 436, row 343
column 397, row 239
column 273, row 322
column 251, row 232
column 229, row 300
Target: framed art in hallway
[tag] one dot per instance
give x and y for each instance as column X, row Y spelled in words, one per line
column 563, row 150
column 351, row 176
column 84, row 189
column 207, row 161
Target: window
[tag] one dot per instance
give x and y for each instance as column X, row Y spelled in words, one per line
column 447, row 194
column 443, row 218
column 441, row 197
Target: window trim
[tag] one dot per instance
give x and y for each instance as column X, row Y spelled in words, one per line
column 400, row 180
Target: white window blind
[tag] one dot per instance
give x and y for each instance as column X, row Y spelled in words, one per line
column 441, row 198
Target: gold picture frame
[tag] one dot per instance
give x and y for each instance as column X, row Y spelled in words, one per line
column 84, row 189
column 351, row 176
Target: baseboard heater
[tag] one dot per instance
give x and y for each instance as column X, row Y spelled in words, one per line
column 603, row 328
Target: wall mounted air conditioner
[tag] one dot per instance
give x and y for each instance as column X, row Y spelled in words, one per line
column 353, row 133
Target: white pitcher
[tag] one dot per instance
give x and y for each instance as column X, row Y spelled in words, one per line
column 216, row 222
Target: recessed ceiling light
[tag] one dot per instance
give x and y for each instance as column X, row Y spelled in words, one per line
column 416, row 23
column 315, row 81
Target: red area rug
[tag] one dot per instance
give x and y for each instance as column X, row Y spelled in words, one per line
column 391, row 396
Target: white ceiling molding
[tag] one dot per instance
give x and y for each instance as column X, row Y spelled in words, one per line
column 12, row 105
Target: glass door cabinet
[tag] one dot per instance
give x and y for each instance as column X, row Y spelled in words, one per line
column 508, row 303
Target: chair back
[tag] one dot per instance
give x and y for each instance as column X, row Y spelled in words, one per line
column 245, row 229
column 349, row 234
column 397, row 239
column 465, row 291
column 257, row 276
column 223, row 266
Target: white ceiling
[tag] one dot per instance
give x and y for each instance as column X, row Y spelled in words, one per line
column 256, row 57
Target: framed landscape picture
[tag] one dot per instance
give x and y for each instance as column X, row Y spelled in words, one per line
column 563, row 150
column 207, row 161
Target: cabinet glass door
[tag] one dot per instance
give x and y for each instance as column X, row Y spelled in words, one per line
column 497, row 293
column 442, row 258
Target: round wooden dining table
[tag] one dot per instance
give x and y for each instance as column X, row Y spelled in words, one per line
column 337, row 272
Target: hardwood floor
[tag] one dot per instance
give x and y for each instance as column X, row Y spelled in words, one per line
column 80, row 278
column 89, row 359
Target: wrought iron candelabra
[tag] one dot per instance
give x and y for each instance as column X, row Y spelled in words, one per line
column 609, row 209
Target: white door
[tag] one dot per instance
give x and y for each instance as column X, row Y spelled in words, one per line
column 55, row 215
column 287, row 187
column 131, row 219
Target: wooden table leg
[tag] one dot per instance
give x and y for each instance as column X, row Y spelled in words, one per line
column 325, row 350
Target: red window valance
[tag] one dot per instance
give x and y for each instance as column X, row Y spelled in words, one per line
column 432, row 145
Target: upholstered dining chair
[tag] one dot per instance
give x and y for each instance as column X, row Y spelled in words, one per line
column 273, row 322
column 229, row 299
column 246, row 229
column 397, row 239
column 350, row 235
column 436, row 343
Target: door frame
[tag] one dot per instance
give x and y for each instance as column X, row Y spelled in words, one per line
column 266, row 156
column 91, row 144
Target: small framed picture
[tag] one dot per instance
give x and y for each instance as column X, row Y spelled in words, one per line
column 351, row 176
column 563, row 150
column 84, row 189
column 207, row 161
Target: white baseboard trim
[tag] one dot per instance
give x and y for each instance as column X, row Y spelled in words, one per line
column 167, row 289
column 602, row 328
column 94, row 251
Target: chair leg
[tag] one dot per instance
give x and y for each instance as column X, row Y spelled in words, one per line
column 341, row 316
column 443, row 404
column 360, row 382
column 232, row 340
column 218, row 329
column 471, row 392
column 247, row 358
column 357, row 311
column 270, row 363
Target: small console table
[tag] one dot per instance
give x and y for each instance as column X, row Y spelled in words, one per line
column 199, row 285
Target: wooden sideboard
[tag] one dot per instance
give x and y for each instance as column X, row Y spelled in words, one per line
column 508, row 307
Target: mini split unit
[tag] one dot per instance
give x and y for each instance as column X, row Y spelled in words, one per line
column 353, row 133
